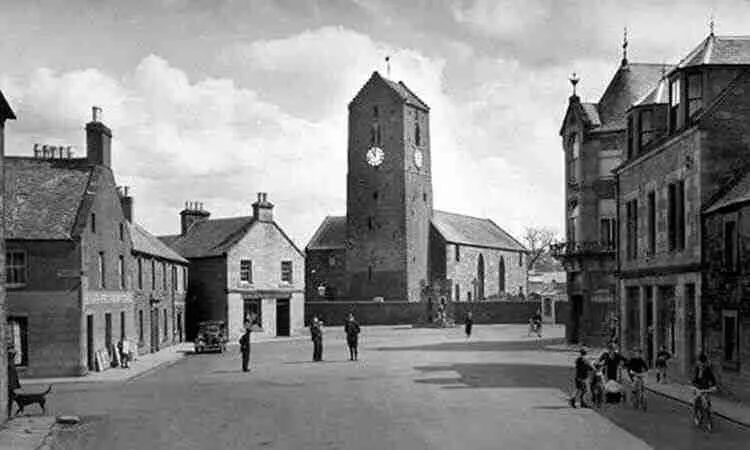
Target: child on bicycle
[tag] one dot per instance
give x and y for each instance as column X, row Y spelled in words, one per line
column 636, row 366
column 703, row 377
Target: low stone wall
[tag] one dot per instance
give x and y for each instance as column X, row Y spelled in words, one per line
column 406, row 313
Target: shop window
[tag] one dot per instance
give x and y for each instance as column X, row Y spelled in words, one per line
column 18, row 332
column 252, row 311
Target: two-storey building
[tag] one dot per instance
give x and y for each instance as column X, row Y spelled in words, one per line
column 687, row 141
column 241, row 267
column 594, row 139
column 6, row 113
column 159, row 278
column 68, row 252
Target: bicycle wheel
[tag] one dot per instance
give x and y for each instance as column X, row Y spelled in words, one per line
column 696, row 413
column 708, row 423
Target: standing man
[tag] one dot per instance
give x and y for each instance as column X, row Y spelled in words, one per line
column 13, row 382
column 245, row 348
column 468, row 324
column 351, row 327
column 582, row 370
column 316, row 332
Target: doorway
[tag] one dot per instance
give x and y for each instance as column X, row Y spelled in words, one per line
column 108, row 334
column 282, row 317
column 154, row 330
column 576, row 313
column 179, row 327
column 90, row 360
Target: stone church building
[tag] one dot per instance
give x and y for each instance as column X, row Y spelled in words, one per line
column 392, row 245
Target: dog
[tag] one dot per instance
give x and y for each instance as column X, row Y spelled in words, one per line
column 23, row 400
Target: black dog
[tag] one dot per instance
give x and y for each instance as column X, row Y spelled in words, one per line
column 24, row 400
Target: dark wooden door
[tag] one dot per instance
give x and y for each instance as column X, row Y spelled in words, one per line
column 282, row 317
column 154, row 330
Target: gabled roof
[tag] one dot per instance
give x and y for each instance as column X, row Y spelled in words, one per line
column 467, row 230
column 148, row 244
column 6, row 112
column 331, row 235
column 591, row 110
column 215, row 237
column 630, row 83
column 43, row 197
column 210, row 237
column 739, row 193
column 719, row 50
column 399, row 88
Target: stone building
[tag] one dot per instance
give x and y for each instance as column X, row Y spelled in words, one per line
column 687, row 145
column 594, row 139
column 726, row 261
column 392, row 245
column 68, row 251
column 6, row 113
column 159, row 278
column 241, row 266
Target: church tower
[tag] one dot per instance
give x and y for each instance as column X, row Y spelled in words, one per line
column 389, row 192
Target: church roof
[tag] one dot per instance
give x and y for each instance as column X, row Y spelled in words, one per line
column 331, row 235
column 468, row 230
column 658, row 95
column 43, row 197
column 146, row 243
column 631, row 82
column 399, row 88
column 719, row 50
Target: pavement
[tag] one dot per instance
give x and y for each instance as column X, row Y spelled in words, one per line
column 411, row 388
column 727, row 408
column 27, row 433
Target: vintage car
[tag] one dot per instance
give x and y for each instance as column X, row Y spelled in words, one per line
column 212, row 336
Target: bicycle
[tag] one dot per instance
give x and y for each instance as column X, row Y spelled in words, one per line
column 639, row 390
column 701, row 410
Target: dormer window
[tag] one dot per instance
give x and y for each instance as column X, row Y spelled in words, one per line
column 694, row 94
column 646, row 126
column 674, row 103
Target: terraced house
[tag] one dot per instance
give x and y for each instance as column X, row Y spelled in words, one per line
column 680, row 196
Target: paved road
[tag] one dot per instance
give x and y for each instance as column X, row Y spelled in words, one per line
column 412, row 389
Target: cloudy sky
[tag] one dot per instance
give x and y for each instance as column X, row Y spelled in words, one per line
column 213, row 101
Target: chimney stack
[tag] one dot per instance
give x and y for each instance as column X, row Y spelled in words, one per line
column 262, row 208
column 126, row 201
column 98, row 140
column 192, row 213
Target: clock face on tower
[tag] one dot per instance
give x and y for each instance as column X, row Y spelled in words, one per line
column 418, row 157
column 375, row 156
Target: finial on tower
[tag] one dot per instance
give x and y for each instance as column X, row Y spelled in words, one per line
column 625, row 46
column 574, row 81
column 711, row 25
column 388, row 66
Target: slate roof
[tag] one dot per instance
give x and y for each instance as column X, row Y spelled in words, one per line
column 405, row 93
column 147, row 243
column 739, row 193
column 467, row 230
column 331, row 235
column 658, row 95
column 43, row 197
column 719, row 50
column 208, row 238
column 591, row 111
column 630, row 83
column 6, row 112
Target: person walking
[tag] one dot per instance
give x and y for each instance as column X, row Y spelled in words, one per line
column 661, row 364
column 468, row 324
column 13, row 382
column 582, row 370
column 245, row 348
column 351, row 328
column 316, row 332
column 124, row 347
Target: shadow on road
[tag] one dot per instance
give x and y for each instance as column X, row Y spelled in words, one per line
column 499, row 375
column 484, row 346
column 340, row 361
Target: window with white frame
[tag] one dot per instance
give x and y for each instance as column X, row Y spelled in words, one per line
column 17, row 335
column 286, row 271
column 246, row 271
column 15, row 268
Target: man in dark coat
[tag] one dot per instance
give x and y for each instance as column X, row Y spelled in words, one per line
column 245, row 348
column 316, row 332
column 351, row 327
column 13, row 382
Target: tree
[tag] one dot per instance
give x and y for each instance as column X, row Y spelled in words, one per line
column 538, row 240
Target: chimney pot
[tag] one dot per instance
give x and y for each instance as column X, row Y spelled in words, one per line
column 96, row 114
